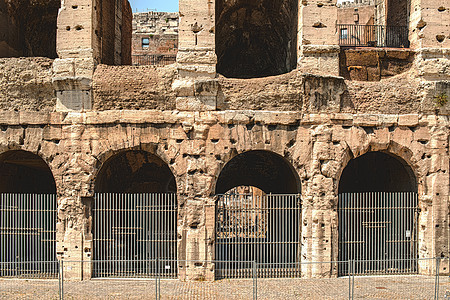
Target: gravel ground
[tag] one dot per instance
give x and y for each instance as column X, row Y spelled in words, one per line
column 392, row 287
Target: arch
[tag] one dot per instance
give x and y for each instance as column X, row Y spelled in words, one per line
column 263, row 169
column 378, row 215
column 377, row 172
column 256, row 38
column 28, row 28
column 24, row 172
column 134, row 215
column 135, row 171
column 28, row 209
column 258, row 213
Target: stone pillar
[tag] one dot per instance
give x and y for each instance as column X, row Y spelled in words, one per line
column 319, row 208
column 75, row 65
column 318, row 39
column 197, row 234
column 74, row 237
column 196, row 87
column 428, row 34
column 434, row 202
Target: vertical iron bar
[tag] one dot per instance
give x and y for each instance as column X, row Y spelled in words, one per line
column 255, row 281
column 436, row 280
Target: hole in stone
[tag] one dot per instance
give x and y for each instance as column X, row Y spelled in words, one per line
column 233, row 141
column 272, row 127
column 68, row 28
column 179, row 141
column 250, row 126
column 368, row 130
column 74, row 6
column 441, row 9
column 215, row 141
column 440, row 38
column 198, row 264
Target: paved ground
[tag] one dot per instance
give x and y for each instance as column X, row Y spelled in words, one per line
column 393, row 287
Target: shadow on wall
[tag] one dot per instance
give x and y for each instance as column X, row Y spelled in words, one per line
column 377, row 172
column 28, row 28
column 265, row 170
column 256, row 38
column 25, row 172
column 135, row 171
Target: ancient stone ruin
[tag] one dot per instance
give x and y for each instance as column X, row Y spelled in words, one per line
column 265, row 100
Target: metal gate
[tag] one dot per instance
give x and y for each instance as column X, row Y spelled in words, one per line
column 135, row 235
column 264, row 229
column 379, row 232
column 28, row 235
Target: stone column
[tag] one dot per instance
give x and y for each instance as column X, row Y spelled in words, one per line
column 74, row 68
column 318, row 39
column 196, row 86
column 196, row 206
column 72, row 171
column 319, row 207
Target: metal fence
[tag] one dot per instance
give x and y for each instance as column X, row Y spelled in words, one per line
column 131, row 231
column 379, row 231
column 153, row 59
column 352, row 35
column 27, row 233
column 264, row 229
column 317, row 281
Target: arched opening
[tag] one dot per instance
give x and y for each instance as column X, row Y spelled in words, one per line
column 135, row 217
column 378, row 211
column 263, row 169
column 256, row 38
column 257, row 216
column 27, row 216
column 28, row 28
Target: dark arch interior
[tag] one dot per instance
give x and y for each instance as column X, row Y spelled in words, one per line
column 25, row 172
column 262, row 169
column 256, row 38
column 377, row 172
column 135, row 172
column 28, row 28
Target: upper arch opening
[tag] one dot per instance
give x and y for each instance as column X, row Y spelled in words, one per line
column 135, row 171
column 377, row 172
column 26, row 173
column 28, row 28
column 256, row 38
column 264, row 170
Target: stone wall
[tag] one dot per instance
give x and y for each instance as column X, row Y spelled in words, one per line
column 196, row 146
column 130, row 87
column 26, row 84
column 374, row 64
column 365, row 15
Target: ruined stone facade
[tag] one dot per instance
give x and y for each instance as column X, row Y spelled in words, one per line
column 78, row 111
column 155, row 34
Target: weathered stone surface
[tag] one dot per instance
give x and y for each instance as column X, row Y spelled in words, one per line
column 26, row 84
